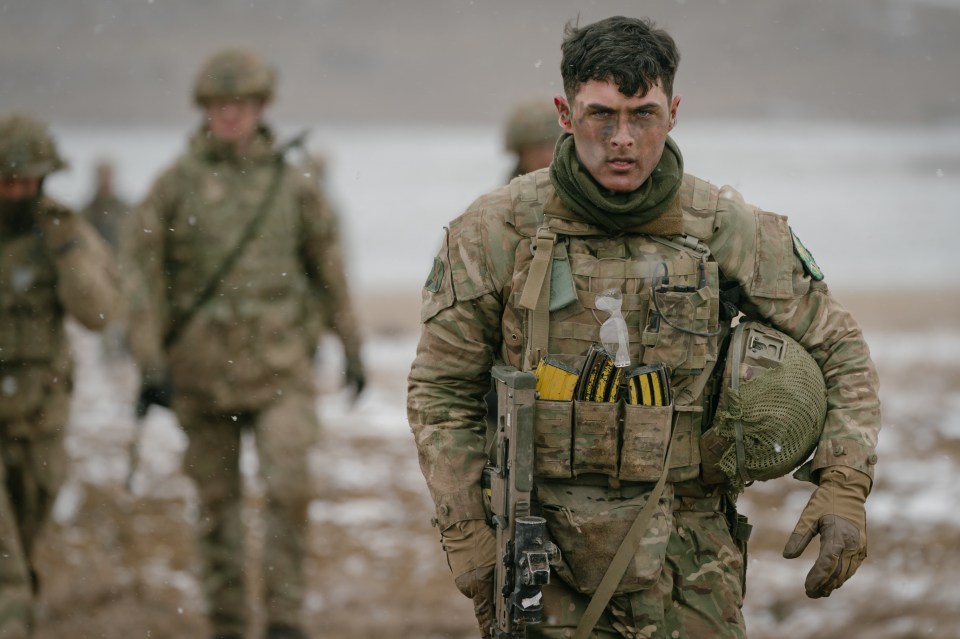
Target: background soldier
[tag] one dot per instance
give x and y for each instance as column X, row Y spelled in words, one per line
column 53, row 265
column 531, row 133
column 105, row 211
column 616, row 211
column 228, row 258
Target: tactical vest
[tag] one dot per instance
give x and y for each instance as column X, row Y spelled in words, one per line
column 252, row 328
column 33, row 347
column 670, row 293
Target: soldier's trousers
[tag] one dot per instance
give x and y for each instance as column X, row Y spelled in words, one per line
column 284, row 432
column 33, row 465
column 699, row 593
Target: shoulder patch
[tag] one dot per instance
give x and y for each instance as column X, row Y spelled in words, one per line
column 806, row 257
column 435, row 278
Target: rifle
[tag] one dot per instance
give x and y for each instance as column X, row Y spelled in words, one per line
column 523, row 554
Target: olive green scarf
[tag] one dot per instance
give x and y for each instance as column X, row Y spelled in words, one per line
column 615, row 212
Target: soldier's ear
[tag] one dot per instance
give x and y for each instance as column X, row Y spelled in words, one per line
column 674, row 107
column 563, row 109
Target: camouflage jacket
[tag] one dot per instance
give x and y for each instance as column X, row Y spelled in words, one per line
column 52, row 266
column 258, row 331
column 470, row 320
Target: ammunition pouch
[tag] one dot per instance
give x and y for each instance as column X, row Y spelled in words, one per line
column 581, row 522
column 620, row 440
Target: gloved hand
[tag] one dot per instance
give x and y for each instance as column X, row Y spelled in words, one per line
column 836, row 513
column 59, row 234
column 353, row 376
column 471, row 548
column 154, row 389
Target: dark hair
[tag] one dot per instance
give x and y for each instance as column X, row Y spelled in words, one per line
column 631, row 52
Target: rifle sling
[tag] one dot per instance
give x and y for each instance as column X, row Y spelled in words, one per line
column 179, row 323
column 611, row 578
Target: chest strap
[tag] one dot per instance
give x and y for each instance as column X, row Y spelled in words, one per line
column 535, row 298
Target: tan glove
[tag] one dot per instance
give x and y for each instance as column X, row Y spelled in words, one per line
column 471, row 548
column 836, row 513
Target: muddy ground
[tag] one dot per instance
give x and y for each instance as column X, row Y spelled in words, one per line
column 120, row 564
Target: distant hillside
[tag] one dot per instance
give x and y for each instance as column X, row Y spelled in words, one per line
column 467, row 60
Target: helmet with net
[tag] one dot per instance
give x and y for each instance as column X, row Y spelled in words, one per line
column 532, row 121
column 27, row 149
column 771, row 409
column 234, row 73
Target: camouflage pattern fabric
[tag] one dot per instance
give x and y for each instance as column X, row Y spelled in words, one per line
column 16, row 592
column 698, row 592
column 471, row 318
column 53, row 265
column 256, row 336
column 282, row 432
column 246, row 353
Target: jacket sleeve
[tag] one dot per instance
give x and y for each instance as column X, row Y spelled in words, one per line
column 324, row 259
column 450, row 375
column 87, row 281
column 142, row 259
column 759, row 250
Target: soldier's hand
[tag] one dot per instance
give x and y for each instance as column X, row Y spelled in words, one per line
column 471, row 552
column 59, row 234
column 354, row 377
column 159, row 392
column 836, row 513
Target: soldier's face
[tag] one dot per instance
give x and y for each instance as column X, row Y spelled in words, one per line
column 233, row 120
column 619, row 139
column 13, row 189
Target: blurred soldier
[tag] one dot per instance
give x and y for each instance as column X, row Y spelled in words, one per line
column 225, row 263
column 529, row 274
column 53, row 266
column 531, row 134
column 105, row 211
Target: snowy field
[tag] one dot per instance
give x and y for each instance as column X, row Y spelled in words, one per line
column 878, row 208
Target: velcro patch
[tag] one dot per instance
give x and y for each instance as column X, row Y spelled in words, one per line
column 806, row 257
column 435, row 279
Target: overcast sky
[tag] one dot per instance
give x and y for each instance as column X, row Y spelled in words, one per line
column 439, row 61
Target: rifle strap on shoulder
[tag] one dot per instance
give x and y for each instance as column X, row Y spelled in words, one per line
column 628, row 548
column 180, row 322
column 535, row 298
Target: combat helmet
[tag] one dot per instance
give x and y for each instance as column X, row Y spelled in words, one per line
column 27, row 149
column 771, row 409
column 234, row 73
column 532, row 121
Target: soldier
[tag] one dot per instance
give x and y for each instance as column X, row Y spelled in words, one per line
column 615, row 216
column 228, row 259
column 531, row 133
column 53, row 266
column 105, row 211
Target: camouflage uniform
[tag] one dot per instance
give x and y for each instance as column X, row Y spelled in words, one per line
column 53, row 265
column 244, row 360
column 686, row 578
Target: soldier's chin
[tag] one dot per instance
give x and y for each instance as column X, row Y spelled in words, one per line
column 621, row 181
